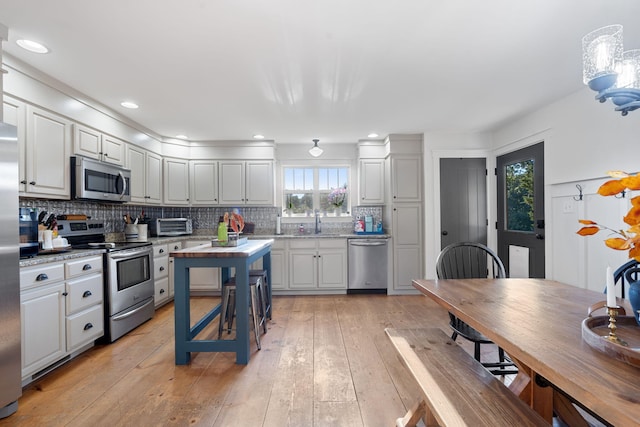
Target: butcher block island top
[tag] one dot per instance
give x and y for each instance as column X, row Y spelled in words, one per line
column 208, row 251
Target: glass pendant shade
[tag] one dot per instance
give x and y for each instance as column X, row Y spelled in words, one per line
column 629, row 70
column 601, row 57
column 316, row 151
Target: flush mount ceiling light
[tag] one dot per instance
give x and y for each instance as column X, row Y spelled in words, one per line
column 316, row 151
column 129, row 104
column 258, row 136
column 609, row 70
column 373, row 135
column 32, row 46
column 182, row 136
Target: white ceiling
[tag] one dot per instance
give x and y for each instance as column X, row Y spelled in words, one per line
column 294, row 70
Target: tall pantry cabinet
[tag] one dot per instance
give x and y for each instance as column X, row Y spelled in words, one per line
column 405, row 209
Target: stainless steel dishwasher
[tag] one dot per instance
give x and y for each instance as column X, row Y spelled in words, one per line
column 368, row 262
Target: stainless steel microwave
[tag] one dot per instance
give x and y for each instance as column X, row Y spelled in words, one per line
column 95, row 180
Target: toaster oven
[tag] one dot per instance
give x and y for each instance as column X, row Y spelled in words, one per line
column 170, row 227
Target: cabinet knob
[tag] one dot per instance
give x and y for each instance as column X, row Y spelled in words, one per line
column 88, row 326
column 64, row 294
column 86, row 294
column 24, row 181
column 86, row 267
column 176, row 247
column 32, row 183
column 42, row 277
column 161, row 251
column 162, row 291
column 161, row 268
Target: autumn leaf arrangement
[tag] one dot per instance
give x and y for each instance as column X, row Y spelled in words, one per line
column 623, row 240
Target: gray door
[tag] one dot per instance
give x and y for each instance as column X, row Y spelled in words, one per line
column 463, row 201
column 520, row 226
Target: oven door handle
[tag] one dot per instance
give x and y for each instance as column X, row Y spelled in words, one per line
column 127, row 254
column 132, row 312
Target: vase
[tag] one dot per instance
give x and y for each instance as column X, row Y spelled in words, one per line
column 634, row 299
column 338, row 211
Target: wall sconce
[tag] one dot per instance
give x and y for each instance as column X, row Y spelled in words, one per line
column 316, row 151
column 610, row 71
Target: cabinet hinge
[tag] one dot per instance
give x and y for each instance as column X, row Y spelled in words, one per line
column 495, row 171
column 496, row 225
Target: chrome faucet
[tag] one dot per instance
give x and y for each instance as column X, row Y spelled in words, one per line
column 317, row 212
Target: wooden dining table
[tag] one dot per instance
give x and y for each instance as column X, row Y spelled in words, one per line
column 239, row 258
column 538, row 323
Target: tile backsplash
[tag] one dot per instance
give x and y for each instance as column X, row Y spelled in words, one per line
column 205, row 219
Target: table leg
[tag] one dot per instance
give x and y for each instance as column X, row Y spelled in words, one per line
column 182, row 311
column 242, row 313
column 538, row 396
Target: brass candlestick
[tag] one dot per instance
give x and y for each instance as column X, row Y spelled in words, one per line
column 613, row 313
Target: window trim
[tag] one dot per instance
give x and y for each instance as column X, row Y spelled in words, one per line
column 309, row 216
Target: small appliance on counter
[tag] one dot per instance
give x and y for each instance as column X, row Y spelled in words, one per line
column 28, row 219
column 170, row 227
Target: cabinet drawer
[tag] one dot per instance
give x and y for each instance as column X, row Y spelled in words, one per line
column 83, row 292
column 85, row 327
column 302, row 244
column 161, row 290
column 332, row 243
column 83, row 266
column 162, row 267
column 40, row 275
column 160, row 250
column 175, row 246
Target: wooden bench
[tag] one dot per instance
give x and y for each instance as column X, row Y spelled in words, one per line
column 457, row 390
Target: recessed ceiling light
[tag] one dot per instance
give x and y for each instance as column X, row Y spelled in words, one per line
column 129, row 104
column 372, row 135
column 32, row 46
column 258, row 136
column 182, row 137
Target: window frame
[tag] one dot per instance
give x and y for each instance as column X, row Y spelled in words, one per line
column 317, row 193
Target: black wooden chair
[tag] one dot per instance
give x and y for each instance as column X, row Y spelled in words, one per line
column 619, row 274
column 469, row 260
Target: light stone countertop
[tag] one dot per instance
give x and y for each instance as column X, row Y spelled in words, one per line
column 79, row 253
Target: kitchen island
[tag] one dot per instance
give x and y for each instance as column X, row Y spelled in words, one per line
column 238, row 257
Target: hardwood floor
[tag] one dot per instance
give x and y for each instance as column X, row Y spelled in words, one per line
column 325, row 361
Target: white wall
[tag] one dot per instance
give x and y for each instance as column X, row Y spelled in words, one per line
column 583, row 140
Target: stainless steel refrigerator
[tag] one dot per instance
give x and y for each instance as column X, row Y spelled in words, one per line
column 10, row 353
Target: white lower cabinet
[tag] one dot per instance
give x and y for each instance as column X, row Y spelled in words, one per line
column 43, row 327
column 317, row 264
column 161, row 274
column 172, row 247
column 61, row 309
column 203, row 281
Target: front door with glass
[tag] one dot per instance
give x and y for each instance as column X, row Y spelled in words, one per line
column 520, row 225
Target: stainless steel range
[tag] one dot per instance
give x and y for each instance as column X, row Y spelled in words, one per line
column 128, row 275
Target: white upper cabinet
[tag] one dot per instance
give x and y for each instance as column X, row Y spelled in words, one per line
column 246, row 182
column 48, row 149
column 406, row 178
column 203, row 175
column 91, row 143
column 371, row 182
column 259, row 182
column 146, row 175
column 14, row 114
column 176, row 181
